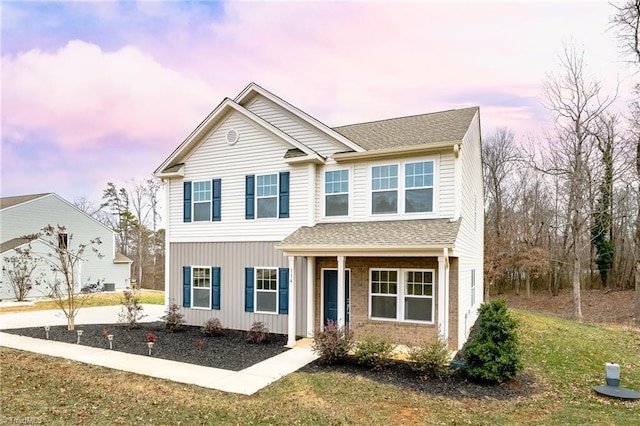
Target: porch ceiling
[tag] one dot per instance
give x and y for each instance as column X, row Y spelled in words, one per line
column 383, row 237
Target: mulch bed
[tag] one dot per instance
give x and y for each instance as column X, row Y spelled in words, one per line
column 231, row 351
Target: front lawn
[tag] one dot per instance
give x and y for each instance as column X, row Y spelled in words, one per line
column 564, row 359
column 95, row 299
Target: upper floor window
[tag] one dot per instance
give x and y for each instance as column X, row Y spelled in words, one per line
column 418, row 179
column 384, row 186
column 202, row 201
column 63, row 240
column 267, row 195
column 403, row 188
column 336, row 189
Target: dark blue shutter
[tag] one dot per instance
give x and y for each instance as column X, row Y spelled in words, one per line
column 284, row 195
column 216, row 203
column 248, row 289
column 186, row 286
column 215, row 287
column 187, row 202
column 283, row 290
column 250, row 190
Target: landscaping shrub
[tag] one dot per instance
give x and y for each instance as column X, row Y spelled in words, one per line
column 374, row 352
column 212, row 327
column 131, row 311
column 173, row 318
column 431, row 359
column 258, row 332
column 333, row 343
column 492, row 352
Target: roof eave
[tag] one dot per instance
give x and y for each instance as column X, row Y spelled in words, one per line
column 363, row 250
column 173, row 174
column 396, row 152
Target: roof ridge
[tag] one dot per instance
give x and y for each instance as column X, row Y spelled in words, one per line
column 404, row 117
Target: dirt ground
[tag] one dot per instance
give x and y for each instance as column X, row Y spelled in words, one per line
column 598, row 307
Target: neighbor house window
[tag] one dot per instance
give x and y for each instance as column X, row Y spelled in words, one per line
column 384, row 294
column 402, row 295
column 267, row 290
column 384, row 187
column 473, row 287
column 267, row 195
column 336, row 189
column 202, row 201
column 418, row 179
column 201, row 288
column 63, row 240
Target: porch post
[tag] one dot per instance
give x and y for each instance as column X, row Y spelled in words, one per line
column 311, row 285
column 341, row 301
column 443, row 331
column 291, row 328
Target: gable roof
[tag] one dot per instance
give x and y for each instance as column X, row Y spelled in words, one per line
column 168, row 167
column 362, row 237
column 424, row 129
column 6, row 202
column 12, row 243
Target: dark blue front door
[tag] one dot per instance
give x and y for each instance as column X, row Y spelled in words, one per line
column 331, row 295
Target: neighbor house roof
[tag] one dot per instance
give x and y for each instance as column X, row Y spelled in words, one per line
column 6, row 202
column 121, row 258
column 424, row 129
column 12, row 243
column 412, row 235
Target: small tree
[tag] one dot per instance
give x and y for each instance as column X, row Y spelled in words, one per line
column 65, row 263
column 493, row 352
column 20, row 270
column 131, row 311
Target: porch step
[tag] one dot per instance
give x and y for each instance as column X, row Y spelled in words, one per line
column 305, row 342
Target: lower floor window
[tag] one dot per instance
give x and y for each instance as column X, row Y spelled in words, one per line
column 267, row 290
column 201, row 288
column 402, row 294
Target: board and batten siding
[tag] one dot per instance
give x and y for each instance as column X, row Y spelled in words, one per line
column 233, row 258
column 256, row 152
column 294, row 126
column 470, row 241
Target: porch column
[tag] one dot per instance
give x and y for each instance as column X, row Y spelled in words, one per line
column 341, row 311
column 443, row 326
column 311, row 285
column 291, row 327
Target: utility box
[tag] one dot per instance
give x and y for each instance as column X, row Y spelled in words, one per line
column 612, row 373
column 109, row 287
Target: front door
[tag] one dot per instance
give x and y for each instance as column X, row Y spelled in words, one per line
column 330, row 309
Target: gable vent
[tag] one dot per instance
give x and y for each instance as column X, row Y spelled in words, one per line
column 232, row 136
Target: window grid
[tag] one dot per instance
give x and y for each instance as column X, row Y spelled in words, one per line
column 336, row 189
column 412, row 292
column 201, row 191
column 267, row 185
column 406, row 187
column 384, row 177
column 267, row 196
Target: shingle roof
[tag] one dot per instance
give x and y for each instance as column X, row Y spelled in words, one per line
column 397, row 234
column 6, row 202
column 12, row 243
column 121, row 258
column 414, row 130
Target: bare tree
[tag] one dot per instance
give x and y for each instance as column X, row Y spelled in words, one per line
column 576, row 103
column 21, row 270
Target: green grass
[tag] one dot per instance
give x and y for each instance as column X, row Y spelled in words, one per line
column 565, row 358
column 96, row 299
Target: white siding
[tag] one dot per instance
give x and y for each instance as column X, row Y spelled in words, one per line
column 470, row 242
column 256, row 152
column 294, row 127
column 32, row 216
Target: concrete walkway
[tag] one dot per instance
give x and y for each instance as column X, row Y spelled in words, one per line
column 247, row 381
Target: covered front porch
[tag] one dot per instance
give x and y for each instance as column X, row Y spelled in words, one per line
column 392, row 278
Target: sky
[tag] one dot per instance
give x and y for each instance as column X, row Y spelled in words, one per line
column 103, row 91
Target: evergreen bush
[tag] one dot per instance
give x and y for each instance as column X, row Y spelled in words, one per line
column 493, row 353
column 431, row 359
column 375, row 352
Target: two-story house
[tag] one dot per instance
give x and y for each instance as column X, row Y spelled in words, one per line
column 275, row 217
column 26, row 215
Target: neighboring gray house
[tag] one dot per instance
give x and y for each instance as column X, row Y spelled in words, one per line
column 272, row 216
column 28, row 214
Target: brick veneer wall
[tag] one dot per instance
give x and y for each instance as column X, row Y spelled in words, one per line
column 399, row 332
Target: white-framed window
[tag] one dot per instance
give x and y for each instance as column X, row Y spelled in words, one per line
column 405, row 295
column 418, row 195
column 384, row 189
column 266, row 293
column 202, row 201
column 405, row 187
column 473, row 287
column 201, row 287
column 267, row 195
column 336, row 190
